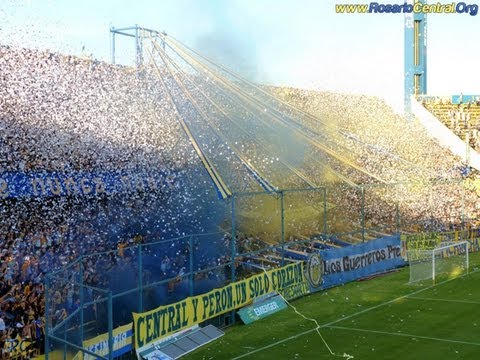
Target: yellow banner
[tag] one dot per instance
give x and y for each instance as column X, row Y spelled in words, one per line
column 165, row 320
column 17, row 347
column 429, row 240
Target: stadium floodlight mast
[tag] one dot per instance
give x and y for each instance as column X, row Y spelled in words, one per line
column 449, row 258
column 415, row 56
column 138, row 33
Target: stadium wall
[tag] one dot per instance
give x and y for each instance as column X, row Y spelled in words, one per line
column 323, row 269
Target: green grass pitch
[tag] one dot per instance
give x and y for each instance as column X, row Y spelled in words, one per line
column 382, row 318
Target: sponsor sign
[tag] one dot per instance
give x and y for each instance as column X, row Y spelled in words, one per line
column 262, row 309
column 78, row 183
column 165, row 320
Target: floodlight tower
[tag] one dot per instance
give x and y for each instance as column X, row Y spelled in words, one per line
column 415, row 54
column 138, row 33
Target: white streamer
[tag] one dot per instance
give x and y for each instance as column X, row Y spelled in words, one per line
column 317, row 329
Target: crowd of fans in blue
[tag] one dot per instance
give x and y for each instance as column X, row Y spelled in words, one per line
column 80, row 125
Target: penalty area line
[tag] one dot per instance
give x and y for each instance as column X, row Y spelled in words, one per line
column 445, row 300
column 350, row 316
column 405, row 335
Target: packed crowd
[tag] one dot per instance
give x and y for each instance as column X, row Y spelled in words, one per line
column 463, row 120
column 36, row 242
column 462, row 117
column 64, row 114
column 459, row 115
column 396, row 150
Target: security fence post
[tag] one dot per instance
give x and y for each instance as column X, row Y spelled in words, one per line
column 110, row 326
column 397, row 218
column 325, row 229
column 65, row 340
column 81, row 301
column 47, row 316
column 363, row 213
column 282, row 223
column 463, row 204
column 190, row 244
column 233, row 253
column 140, row 279
column 232, row 241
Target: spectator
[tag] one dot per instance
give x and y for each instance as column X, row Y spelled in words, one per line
column 62, row 114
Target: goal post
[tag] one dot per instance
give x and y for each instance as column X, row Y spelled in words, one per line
column 448, row 258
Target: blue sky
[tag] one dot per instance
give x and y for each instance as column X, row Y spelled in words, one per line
column 301, row 43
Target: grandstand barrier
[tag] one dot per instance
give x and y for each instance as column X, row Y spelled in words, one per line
column 260, row 231
column 322, row 269
column 166, row 320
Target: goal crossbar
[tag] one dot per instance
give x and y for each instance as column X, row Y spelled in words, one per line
column 450, row 257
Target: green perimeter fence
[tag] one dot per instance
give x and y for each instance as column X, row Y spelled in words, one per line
column 102, row 290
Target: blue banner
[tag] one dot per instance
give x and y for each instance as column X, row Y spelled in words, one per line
column 122, row 344
column 339, row 266
column 79, row 183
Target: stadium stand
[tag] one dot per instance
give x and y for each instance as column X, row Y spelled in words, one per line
column 461, row 119
column 63, row 114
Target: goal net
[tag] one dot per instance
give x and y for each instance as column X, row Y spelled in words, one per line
column 448, row 258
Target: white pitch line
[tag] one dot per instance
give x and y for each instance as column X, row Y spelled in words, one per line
column 406, row 335
column 445, row 300
column 350, row 316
